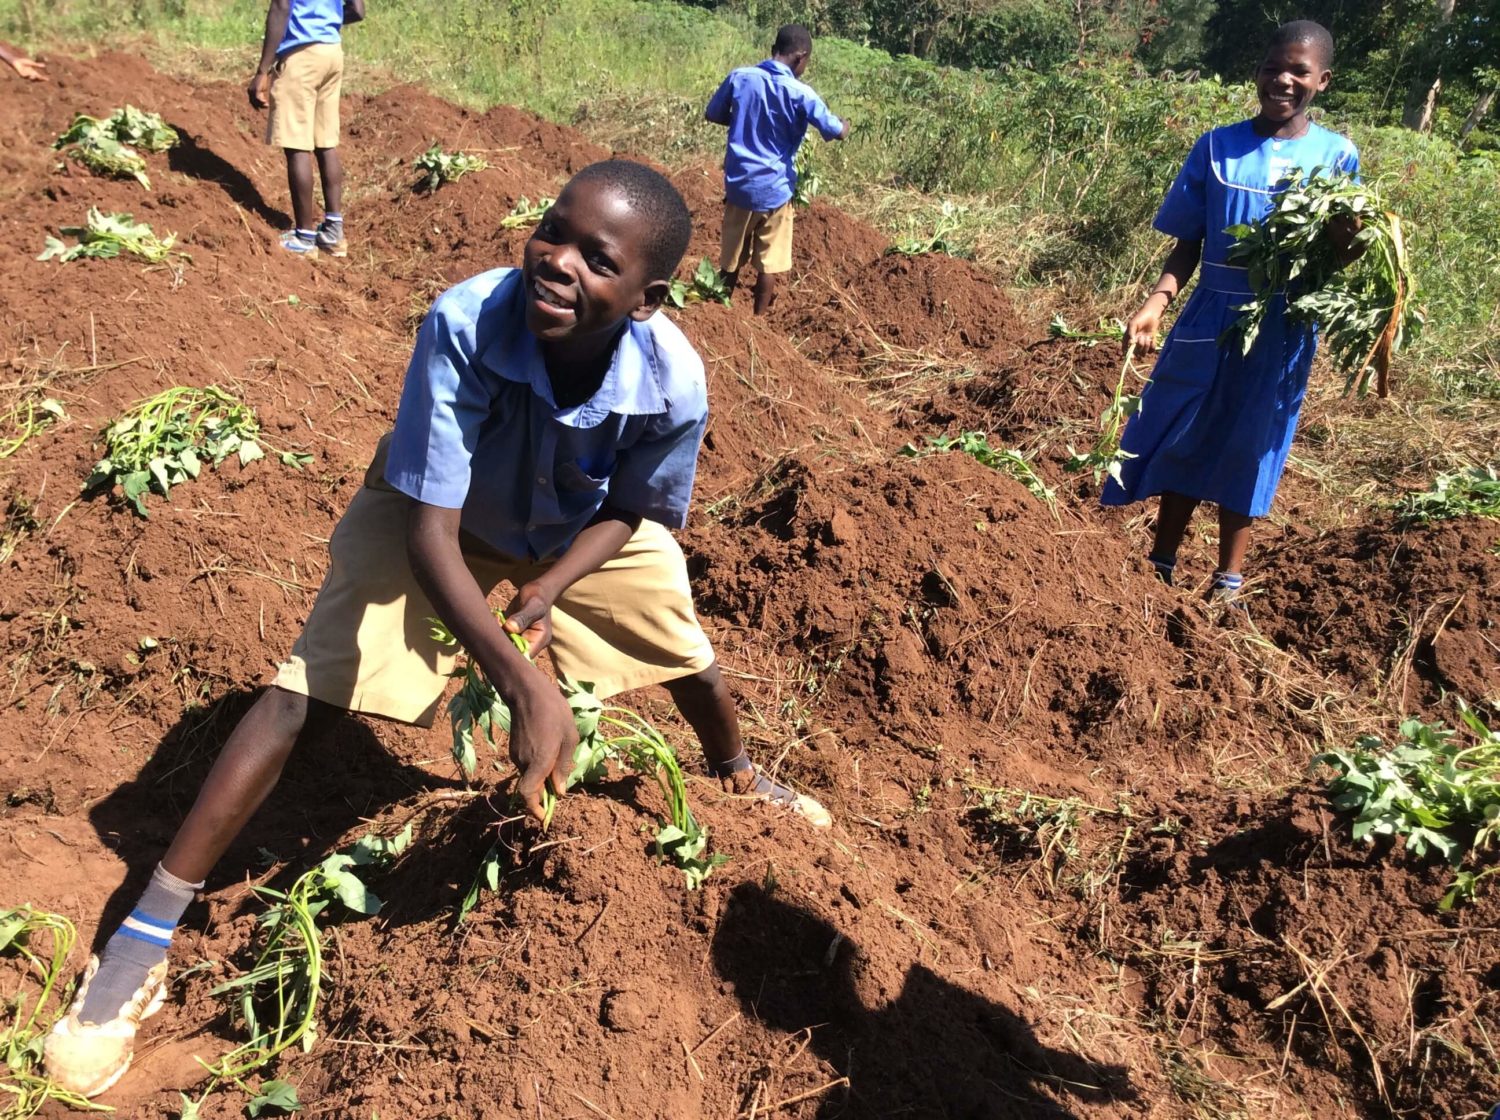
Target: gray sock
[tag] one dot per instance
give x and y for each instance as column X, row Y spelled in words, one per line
column 137, row 946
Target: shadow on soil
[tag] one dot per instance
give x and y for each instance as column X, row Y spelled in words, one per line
column 935, row 1050
column 192, row 158
column 327, row 789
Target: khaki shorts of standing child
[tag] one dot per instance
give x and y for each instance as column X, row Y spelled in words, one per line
column 763, row 239
column 305, row 98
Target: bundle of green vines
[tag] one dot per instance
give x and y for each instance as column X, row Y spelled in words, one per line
column 1364, row 308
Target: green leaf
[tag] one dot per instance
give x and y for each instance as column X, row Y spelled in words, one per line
column 249, row 452
column 135, row 486
column 353, row 893
column 280, row 1095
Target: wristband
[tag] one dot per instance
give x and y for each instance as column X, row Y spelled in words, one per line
column 1162, row 292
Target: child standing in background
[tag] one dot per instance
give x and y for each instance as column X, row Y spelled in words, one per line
column 299, row 77
column 767, row 109
column 1215, row 424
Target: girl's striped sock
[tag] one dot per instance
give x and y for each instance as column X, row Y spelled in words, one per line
column 1226, row 586
column 1165, row 566
column 138, row 946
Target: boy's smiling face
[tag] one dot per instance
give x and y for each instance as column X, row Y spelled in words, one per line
column 586, row 270
column 1288, row 79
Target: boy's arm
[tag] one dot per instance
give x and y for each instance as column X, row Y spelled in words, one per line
column 542, row 733
column 25, row 67
column 720, row 104
column 1175, row 273
column 822, row 118
column 277, row 17
column 530, row 612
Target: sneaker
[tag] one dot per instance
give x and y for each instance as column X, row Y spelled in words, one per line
column 88, row 1058
column 743, row 779
column 292, row 243
column 331, row 239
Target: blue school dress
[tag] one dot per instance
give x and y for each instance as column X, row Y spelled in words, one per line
column 1216, row 424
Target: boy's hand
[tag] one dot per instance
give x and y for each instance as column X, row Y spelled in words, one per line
column 29, row 69
column 530, row 615
column 1141, row 331
column 259, row 90
column 543, row 738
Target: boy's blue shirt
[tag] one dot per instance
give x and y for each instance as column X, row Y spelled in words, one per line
column 478, row 428
column 312, row 21
column 767, row 110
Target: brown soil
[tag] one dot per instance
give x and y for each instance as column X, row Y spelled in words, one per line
column 908, row 636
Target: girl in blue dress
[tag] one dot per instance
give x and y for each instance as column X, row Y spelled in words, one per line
column 1215, row 424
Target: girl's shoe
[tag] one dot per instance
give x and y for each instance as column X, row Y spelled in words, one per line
column 331, row 239
column 1227, row 590
column 88, row 1058
column 292, row 242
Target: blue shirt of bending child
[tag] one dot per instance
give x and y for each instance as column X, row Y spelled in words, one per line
column 312, row 21
column 767, row 110
column 478, row 428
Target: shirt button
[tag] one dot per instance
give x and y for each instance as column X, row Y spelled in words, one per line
column 540, row 481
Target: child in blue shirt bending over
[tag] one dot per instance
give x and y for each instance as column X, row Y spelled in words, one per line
column 1215, row 425
column 767, row 110
column 547, row 436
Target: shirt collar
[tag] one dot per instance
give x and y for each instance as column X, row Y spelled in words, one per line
column 776, row 67
column 631, row 385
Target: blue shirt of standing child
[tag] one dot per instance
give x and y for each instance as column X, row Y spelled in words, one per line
column 478, row 428
column 312, row 21
column 767, row 110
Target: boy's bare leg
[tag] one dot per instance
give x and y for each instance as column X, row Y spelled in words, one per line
column 331, row 172
column 299, row 177
column 243, row 776
column 239, row 782
column 707, row 704
column 765, row 291
column 730, row 279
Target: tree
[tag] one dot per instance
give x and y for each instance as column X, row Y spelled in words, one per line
column 1427, row 83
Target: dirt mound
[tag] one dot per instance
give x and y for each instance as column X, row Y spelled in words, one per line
column 1413, row 613
column 1066, row 879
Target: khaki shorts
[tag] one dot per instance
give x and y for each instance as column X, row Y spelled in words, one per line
column 764, row 237
column 305, row 98
column 366, row 645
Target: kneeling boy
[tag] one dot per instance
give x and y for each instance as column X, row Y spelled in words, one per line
column 548, row 432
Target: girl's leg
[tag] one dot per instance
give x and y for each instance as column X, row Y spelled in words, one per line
column 1234, row 539
column 1172, row 517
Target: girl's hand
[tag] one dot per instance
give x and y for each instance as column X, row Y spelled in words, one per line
column 1142, row 329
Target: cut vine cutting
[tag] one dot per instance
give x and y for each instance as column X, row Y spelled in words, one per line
column 1300, row 250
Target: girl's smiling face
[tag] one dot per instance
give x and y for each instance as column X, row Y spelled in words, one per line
column 1288, row 79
